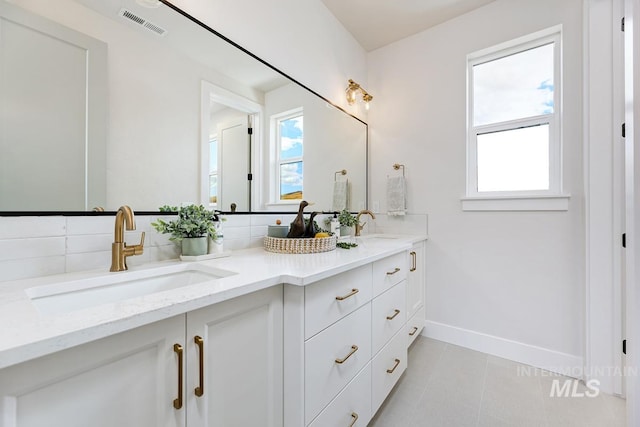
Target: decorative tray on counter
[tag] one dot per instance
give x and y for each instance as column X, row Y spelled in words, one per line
column 300, row 245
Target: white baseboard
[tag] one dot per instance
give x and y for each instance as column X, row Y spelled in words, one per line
column 550, row 360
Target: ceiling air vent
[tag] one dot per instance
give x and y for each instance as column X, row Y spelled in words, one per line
column 137, row 19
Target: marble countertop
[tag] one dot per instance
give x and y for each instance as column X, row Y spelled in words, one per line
column 26, row 333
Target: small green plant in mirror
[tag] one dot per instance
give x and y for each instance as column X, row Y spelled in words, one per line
column 193, row 221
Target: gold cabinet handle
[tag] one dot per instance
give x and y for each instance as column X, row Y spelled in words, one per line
column 393, row 316
column 390, row 371
column 413, row 332
column 414, row 261
column 395, row 270
column 355, row 418
column 199, row 391
column 177, row 403
column 350, row 294
column 354, row 348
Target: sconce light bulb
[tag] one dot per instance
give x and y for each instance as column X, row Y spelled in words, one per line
column 366, row 105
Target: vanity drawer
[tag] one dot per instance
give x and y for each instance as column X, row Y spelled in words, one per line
column 388, row 315
column 389, row 271
column 415, row 325
column 386, row 369
column 352, row 404
column 334, row 357
column 329, row 300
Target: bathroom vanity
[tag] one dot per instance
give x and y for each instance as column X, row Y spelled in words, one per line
column 273, row 340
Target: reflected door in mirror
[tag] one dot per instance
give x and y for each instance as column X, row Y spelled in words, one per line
column 52, row 121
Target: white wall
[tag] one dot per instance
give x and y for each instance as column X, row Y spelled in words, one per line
column 509, row 283
column 301, row 38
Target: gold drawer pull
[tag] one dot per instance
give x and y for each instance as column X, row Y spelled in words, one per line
column 354, row 348
column 395, row 313
column 355, row 418
column 395, row 270
column 390, row 371
column 413, row 332
column 350, row 294
column 177, row 403
column 199, row 391
column 414, row 261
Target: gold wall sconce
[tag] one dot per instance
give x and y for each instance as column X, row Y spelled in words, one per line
column 352, row 94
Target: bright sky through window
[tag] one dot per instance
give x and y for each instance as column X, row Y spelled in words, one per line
column 291, row 166
column 514, row 160
column 514, row 87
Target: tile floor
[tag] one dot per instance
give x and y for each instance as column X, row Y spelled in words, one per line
column 447, row 385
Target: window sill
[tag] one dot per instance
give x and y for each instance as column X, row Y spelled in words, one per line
column 517, row 203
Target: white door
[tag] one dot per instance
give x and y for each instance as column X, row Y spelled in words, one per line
column 126, row 380
column 234, row 165
column 52, row 106
column 234, row 374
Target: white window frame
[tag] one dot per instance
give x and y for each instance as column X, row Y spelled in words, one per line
column 217, row 172
column 551, row 199
column 277, row 161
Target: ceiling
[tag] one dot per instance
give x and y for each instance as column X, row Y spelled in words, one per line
column 376, row 23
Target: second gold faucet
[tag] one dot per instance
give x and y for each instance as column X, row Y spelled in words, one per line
column 360, row 227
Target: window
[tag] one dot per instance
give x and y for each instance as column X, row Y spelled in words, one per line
column 514, row 94
column 289, row 155
column 213, row 171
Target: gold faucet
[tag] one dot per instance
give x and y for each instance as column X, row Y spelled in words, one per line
column 360, row 227
column 119, row 249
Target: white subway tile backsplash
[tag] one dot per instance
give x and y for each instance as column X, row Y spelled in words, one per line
column 258, row 231
column 236, row 232
column 90, row 225
column 23, row 227
column 236, row 244
column 40, row 246
column 14, row 249
column 256, row 242
column 89, row 243
column 88, row 261
column 32, row 267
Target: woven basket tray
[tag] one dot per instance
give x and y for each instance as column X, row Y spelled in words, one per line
column 300, row 246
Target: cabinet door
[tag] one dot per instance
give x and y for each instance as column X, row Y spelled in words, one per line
column 416, row 279
column 234, row 373
column 128, row 379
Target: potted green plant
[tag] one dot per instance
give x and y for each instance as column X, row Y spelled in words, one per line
column 347, row 223
column 194, row 225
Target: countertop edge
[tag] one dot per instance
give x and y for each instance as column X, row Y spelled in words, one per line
column 123, row 321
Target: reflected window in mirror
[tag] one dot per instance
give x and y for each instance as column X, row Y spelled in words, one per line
column 290, row 149
column 213, row 171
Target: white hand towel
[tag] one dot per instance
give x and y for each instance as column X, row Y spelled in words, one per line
column 396, row 196
column 340, row 191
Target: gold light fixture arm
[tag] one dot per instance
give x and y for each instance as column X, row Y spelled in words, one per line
column 352, row 91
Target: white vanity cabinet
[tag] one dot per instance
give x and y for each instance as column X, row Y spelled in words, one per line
column 343, row 336
column 133, row 378
column 234, row 362
column 416, row 292
column 128, row 379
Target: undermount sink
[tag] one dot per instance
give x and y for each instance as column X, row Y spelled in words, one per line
column 64, row 297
